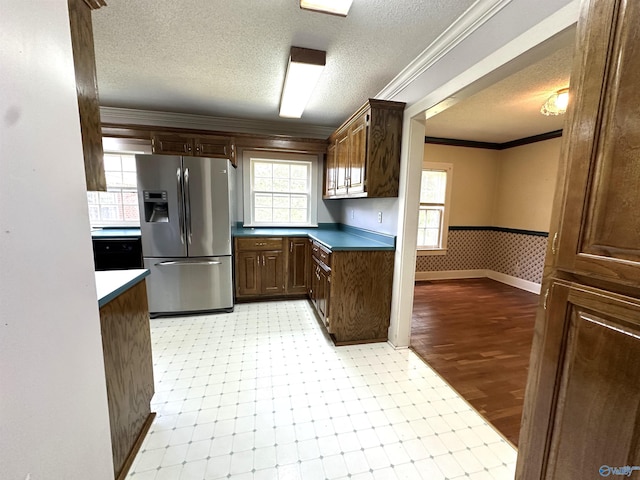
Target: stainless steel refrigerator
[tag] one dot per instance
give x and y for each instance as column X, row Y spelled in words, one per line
column 186, row 214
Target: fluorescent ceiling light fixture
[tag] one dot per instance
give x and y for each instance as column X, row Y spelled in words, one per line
column 335, row 7
column 303, row 71
column 557, row 103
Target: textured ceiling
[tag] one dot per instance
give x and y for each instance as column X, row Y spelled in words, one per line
column 509, row 109
column 228, row 58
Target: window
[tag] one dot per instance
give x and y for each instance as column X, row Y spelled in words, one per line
column 280, row 189
column 434, row 200
column 119, row 204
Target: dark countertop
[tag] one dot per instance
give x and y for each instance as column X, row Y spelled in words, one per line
column 111, row 283
column 110, row 233
column 334, row 237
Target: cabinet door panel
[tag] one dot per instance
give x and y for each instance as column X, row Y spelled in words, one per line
column 213, row 146
column 297, row 266
column 272, row 273
column 330, row 172
column 247, row 273
column 604, row 174
column 342, row 163
column 172, row 144
column 357, row 155
column 597, row 396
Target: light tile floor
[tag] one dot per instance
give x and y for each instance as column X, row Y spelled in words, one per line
column 260, row 394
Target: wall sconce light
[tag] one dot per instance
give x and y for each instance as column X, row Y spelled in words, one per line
column 303, row 71
column 557, row 103
column 334, row 7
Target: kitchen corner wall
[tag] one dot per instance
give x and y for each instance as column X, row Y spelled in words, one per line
column 500, row 211
column 365, row 213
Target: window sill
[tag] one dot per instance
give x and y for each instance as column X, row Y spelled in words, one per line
column 425, row 252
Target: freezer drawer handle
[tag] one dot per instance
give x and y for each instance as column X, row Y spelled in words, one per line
column 197, row 262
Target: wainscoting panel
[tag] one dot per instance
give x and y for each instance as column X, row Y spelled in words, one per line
column 516, row 253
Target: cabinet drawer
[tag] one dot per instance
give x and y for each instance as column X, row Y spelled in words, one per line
column 259, row 243
column 321, row 253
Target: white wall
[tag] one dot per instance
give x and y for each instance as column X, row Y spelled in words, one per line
column 53, row 407
column 363, row 213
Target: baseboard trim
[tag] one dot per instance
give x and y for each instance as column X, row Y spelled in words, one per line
column 493, row 275
column 515, row 281
column 450, row 274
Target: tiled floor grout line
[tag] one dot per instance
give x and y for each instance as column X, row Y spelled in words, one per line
column 260, row 394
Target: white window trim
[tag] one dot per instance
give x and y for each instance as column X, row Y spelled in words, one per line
column 447, row 167
column 247, row 191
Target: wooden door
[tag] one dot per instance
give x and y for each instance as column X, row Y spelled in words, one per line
column 342, row 162
column 582, row 407
column 297, row 266
column 272, row 276
column 330, row 172
column 357, row 155
column 247, row 273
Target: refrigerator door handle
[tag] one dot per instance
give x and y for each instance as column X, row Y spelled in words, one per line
column 188, row 204
column 180, row 213
column 188, row 262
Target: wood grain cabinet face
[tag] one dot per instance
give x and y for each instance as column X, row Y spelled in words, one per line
column 260, row 266
column 582, row 396
column 212, row 146
column 367, row 153
column 87, row 88
column 297, row 266
column 330, row 172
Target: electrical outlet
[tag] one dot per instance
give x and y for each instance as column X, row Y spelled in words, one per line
column 353, row 214
column 379, row 217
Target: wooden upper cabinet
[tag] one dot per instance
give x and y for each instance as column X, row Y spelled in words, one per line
column 212, row 146
column 603, row 181
column 87, row 88
column 342, row 162
column 330, row 172
column 358, row 153
column 367, row 152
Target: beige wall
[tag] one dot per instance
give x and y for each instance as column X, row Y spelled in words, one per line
column 475, row 172
column 526, row 185
column 510, row 188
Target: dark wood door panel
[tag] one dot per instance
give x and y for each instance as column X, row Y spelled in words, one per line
column 599, row 235
column 297, row 266
column 272, row 273
column 247, row 273
column 598, row 411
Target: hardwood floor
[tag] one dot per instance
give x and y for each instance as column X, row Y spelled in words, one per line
column 477, row 335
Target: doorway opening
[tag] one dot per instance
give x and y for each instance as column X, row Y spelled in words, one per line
column 475, row 300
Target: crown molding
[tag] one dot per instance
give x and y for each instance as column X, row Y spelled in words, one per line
column 467, row 23
column 130, row 116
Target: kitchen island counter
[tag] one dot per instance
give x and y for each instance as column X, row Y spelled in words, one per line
column 111, row 283
column 128, row 365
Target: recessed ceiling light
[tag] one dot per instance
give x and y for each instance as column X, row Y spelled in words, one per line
column 303, row 71
column 334, row 7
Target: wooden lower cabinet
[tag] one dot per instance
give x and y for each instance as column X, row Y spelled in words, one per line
column 270, row 267
column 297, row 265
column 351, row 292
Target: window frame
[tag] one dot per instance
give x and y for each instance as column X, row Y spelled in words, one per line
column 248, row 193
column 120, row 146
column 444, row 233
